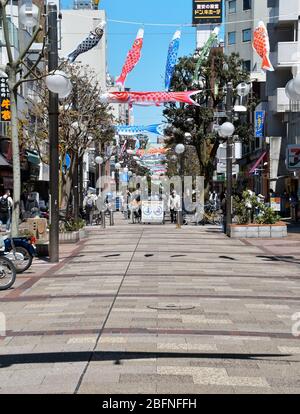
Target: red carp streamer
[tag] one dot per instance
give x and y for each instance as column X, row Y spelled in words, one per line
column 149, row 98
column 261, row 44
column 132, row 58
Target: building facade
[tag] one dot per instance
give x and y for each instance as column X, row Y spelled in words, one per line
column 283, row 118
column 242, row 17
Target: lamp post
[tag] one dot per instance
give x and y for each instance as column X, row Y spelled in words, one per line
column 117, row 178
column 179, row 149
column 53, row 137
column 226, row 130
column 99, row 161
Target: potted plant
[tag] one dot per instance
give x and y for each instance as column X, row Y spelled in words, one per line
column 255, row 219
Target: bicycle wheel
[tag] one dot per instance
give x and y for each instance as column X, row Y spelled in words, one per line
column 7, row 273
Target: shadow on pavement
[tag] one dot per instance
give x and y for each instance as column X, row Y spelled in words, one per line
column 286, row 259
column 117, row 357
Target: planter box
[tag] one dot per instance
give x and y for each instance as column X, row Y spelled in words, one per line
column 82, row 234
column 69, row 237
column 246, row 231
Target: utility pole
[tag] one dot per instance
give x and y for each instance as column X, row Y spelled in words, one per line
column 53, row 137
column 229, row 156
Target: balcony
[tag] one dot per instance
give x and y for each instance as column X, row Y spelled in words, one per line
column 287, row 54
column 279, row 102
column 289, row 10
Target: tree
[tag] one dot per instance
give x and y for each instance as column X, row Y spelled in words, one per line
column 204, row 142
column 13, row 69
column 83, row 120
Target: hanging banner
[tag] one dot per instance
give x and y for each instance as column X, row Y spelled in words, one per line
column 88, row 43
column 5, row 100
column 261, row 44
column 149, row 98
column 207, row 12
column 132, row 58
column 260, row 124
column 293, row 157
column 172, row 59
column 205, row 52
column 139, row 129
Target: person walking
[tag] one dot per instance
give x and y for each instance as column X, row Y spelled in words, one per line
column 174, row 205
column 6, row 205
column 89, row 204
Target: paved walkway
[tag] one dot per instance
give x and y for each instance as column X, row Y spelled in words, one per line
column 155, row 309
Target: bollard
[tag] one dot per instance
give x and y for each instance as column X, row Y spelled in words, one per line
column 178, row 224
column 103, row 219
column 111, row 218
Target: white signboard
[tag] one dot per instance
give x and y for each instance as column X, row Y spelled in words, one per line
column 221, row 168
column 152, row 212
column 293, row 157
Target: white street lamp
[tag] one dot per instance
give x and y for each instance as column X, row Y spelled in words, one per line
column 226, row 130
column 67, row 91
column 243, row 89
column 296, row 83
column 99, row 160
column 117, row 166
column 29, row 15
column 291, row 91
column 179, row 149
column 57, row 81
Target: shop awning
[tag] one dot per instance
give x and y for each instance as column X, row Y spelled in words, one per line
column 257, row 162
column 33, row 157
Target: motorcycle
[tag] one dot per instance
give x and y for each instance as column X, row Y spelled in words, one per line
column 20, row 250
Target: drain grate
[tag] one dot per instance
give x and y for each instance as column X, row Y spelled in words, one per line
column 170, row 307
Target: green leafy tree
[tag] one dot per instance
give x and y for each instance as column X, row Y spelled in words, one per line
column 204, row 142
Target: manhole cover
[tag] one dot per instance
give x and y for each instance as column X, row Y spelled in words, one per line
column 171, row 307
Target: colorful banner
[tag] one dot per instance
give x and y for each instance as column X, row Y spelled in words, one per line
column 205, row 52
column 172, row 58
column 260, row 124
column 207, row 12
column 293, row 157
column 5, row 100
column 261, row 44
column 149, row 98
column 132, row 58
column 140, row 129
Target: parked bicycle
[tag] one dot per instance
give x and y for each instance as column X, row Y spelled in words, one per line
column 7, row 272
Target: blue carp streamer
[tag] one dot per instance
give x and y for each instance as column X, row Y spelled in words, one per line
column 139, row 129
column 172, row 58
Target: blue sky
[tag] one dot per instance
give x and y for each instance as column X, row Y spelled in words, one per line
column 149, row 73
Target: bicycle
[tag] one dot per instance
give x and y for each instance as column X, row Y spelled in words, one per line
column 7, row 272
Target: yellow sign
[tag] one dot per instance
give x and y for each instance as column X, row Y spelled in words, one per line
column 207, row 12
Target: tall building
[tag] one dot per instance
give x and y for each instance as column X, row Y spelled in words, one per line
column 283, row 118
column 242, row 17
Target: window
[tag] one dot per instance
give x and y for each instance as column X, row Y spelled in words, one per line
column 247, row 4
column 231, row 38
column 247, row 35
column 232, row 6
column 247, row 65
